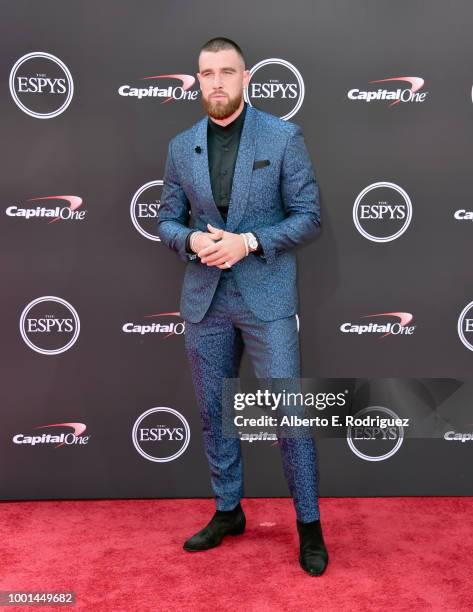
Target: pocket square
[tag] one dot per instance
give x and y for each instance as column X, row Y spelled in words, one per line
column 260, row 163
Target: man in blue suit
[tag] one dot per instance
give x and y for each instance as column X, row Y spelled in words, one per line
column 239, row 195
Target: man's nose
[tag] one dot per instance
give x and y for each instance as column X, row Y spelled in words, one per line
column 217, row 81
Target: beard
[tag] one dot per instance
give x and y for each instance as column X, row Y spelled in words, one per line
column 221, row 109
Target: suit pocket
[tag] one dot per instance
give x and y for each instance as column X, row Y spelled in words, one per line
column 261, row 163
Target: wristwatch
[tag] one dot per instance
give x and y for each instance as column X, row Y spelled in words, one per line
column 252, row 242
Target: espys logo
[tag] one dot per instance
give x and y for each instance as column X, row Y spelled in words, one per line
column 372, row 442
column 406, row 94
column 169, row 328
column 465, row 326
column 74, row 438
column 161, row 434
column 41, row 85
column 170, row 92
column 144, row 209
column 49, row 325
column 382, row 212
column 276, row 86
column 66, row 212
column 398, row 328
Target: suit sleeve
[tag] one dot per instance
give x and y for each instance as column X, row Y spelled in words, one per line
column 173, row 213
column 300, row 195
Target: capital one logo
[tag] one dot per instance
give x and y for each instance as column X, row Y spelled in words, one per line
column 382, row 212
column 154, row 88
column 41, row 85
column 276, row 86
column 400, row 327
column 68, row 209
column 49, row 325
column 463, row 215
column 69, row 438
column 144, row 209
column 164, row 323
column 372, row 442
column 259, row 437
column 458, row 436
column 161, row 434
column 465, row 326
column 401, row 93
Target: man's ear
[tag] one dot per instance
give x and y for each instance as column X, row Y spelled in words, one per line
column 246, row 78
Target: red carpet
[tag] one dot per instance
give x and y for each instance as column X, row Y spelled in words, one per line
column 391, row 554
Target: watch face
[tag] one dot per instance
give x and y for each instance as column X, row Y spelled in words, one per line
column 253, row 242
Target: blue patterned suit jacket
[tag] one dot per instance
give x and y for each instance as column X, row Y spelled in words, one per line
column 279, row 201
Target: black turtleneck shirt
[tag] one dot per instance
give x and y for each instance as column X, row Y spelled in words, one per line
column 222, row 143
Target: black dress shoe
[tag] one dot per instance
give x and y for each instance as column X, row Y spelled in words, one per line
column 222, row 523
column 313, row 556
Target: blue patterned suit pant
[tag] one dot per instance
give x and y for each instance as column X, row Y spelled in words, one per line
column 214, row 348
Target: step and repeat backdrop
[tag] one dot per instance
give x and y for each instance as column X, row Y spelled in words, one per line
column 97, row 399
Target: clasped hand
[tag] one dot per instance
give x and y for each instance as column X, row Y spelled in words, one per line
column 217, row 246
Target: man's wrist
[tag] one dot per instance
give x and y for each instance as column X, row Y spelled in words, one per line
column 190, row 242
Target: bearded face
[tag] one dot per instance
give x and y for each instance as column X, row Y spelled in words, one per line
column 220, row 105
column 222, row 77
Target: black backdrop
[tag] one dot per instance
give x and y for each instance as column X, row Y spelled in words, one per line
column 105, row 345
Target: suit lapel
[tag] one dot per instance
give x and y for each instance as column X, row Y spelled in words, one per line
column 241, row 177
column 202, row 175
column 243, row 170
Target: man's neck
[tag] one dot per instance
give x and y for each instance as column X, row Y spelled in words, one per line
column 232, row 117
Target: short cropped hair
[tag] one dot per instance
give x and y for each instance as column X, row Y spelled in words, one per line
column 220, row 43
